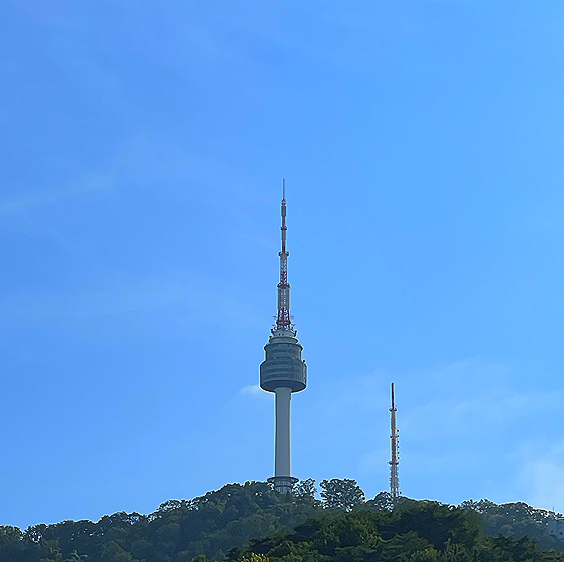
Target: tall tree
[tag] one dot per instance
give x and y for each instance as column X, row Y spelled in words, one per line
column 305, row 488
column 383, row 500
column 341, row 493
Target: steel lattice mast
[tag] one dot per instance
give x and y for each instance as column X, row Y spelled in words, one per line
column 394, row 463
column 283, row 370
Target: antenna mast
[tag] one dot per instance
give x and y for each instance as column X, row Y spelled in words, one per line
column 394, row 463
column 283, row 321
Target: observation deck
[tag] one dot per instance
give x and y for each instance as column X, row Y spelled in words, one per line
column 283, row 365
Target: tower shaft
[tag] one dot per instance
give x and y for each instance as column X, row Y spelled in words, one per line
column 282, row 462
column 394, row 463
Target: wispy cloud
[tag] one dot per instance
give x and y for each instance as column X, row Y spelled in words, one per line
column 541, row 478
column 56, row 14
column 145, row 161
column 206, row 306
column 255, row 391
column 86, row 185
column 148, row 159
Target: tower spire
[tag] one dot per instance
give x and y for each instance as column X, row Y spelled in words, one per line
column 283, row 321
column 394, row 463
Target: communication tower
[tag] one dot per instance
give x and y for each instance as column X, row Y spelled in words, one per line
column 283, row 371
column 394, row 463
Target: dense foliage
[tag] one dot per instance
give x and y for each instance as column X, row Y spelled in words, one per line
column 177, row 531
column 252, row 523
column 515, row 520
column 418, row 532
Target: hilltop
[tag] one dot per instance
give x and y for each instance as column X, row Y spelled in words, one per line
column 251, row 522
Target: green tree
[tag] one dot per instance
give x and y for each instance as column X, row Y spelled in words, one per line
column 341, row 493
column 437, row 523
column 9, row 534
column 305, row 488
column 383, row 500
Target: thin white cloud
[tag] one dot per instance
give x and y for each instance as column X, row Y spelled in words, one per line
column 88, row 184
column 149, row 159
column 547, row 485
column 145, row 160
column 203, row 306
column 541, row 478
column 373, row 462
column 491, row 410
column 255, row 391
column 55, row 14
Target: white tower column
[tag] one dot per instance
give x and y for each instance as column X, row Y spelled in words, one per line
column 282, row 447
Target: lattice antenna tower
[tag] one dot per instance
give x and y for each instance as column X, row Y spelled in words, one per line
column 394, row 463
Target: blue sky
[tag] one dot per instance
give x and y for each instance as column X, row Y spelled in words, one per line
column 143, row 147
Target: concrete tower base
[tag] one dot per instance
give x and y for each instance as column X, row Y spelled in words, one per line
column 283, row 484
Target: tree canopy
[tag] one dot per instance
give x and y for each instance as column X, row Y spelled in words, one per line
column 253, row 523
column 418, row 532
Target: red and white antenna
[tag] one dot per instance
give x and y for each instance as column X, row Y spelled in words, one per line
column 283, row 321
column 394, row 463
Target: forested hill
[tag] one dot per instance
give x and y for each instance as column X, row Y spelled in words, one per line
column 252, row 523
